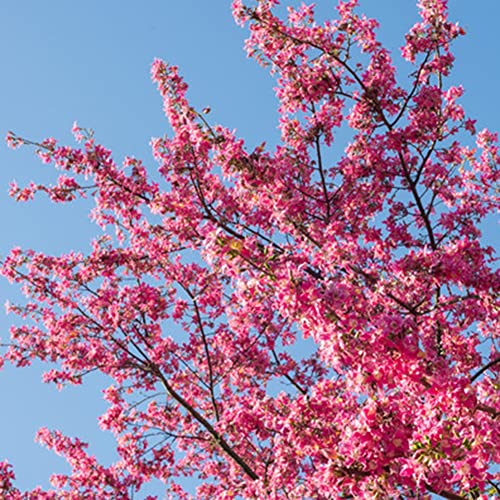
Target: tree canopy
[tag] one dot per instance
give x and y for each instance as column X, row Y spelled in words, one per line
column 198, row 297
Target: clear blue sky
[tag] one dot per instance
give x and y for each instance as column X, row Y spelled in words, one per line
column 89, row 61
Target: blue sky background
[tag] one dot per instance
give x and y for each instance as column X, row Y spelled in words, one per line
column 89, row 61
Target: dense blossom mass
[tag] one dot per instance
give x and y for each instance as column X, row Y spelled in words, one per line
column 204, row 296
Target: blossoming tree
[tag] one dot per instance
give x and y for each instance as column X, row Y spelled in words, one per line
column 196, row 301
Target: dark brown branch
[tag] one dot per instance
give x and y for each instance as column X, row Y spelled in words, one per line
column 207, row 352
column 484, row 368
column 418, row 201
column 413, row 90
column 445, row 494
column 323, row 180
column 204, row 422
column 288, row 377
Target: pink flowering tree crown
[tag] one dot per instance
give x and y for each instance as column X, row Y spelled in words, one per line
column 197, row 299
